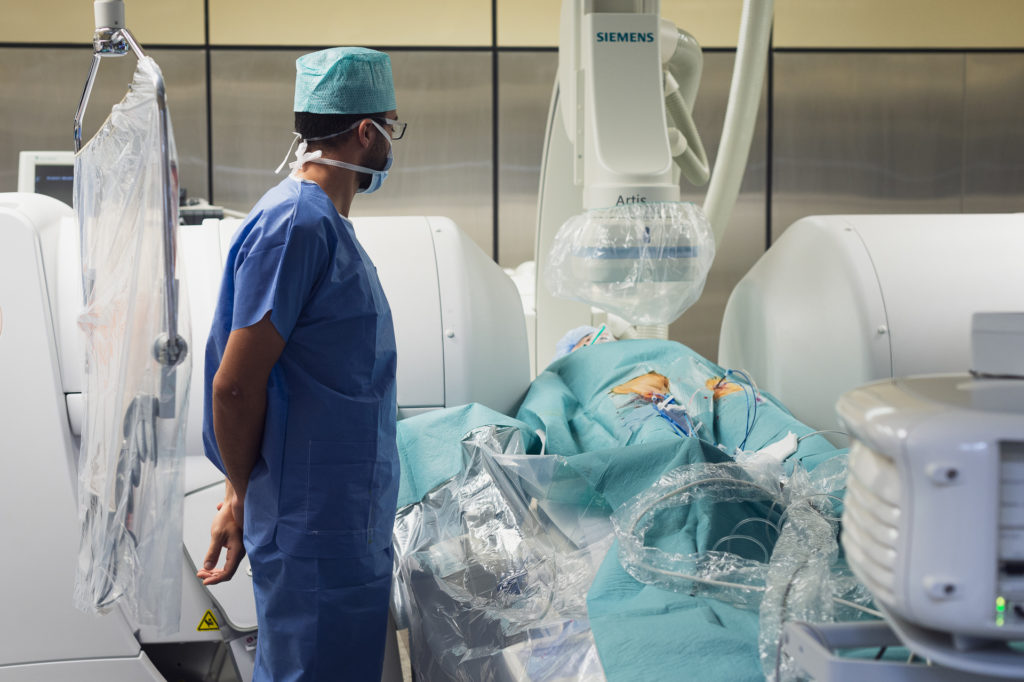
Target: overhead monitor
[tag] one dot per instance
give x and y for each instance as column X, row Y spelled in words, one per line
column 49, row 173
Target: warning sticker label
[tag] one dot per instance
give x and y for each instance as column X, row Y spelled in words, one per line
column 208, row 622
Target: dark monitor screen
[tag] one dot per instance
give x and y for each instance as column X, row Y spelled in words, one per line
column 57, row 181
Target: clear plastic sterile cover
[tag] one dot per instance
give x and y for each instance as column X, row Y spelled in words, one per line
column 488, row 586
column 645, row 262
column 130, row 468
column 779, row 554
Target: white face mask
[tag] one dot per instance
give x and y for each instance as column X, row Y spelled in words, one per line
column 303, row 157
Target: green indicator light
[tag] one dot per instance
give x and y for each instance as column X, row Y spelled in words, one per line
column 1000, row 603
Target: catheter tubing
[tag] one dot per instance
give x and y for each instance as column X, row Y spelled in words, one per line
column 741, row 114
column 693, row 161
column 686, row 63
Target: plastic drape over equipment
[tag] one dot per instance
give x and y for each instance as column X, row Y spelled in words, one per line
column 780, row 557
column 489, row 587
column 130, row 488
column 646, row 263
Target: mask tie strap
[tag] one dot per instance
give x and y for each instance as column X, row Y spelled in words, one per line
column 302, row 156
column 288, row 153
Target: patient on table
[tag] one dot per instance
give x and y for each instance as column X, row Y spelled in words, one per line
column 638, row 424
column 582, row 336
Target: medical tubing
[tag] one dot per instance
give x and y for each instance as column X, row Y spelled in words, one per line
column 689, row 403
column 754, row 519
column 816, row 433
column 693, row 162
column 674, row 426
column 683, row 488
column 755, row 588
column 859, row 607
column 631, row 541
column 749, row 379
column 757, row 396
column 747, row 421
column 783, row 517
column 741, row 113
column 729, row 538
column 687, row 65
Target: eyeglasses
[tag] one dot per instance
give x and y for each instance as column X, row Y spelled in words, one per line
column 397, row 127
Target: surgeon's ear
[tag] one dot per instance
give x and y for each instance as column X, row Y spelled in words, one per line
column 365, row 127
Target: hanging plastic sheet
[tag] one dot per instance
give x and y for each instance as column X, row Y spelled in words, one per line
column 646, row 263
column 130, row 487
column 490, row 590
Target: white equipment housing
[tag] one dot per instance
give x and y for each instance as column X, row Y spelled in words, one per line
column 460, row 336
column 934, row 517
column 606, row 142
column 610, row 69
column 839, row 301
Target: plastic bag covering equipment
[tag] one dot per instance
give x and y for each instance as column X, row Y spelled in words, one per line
column 490, row 588
column 644, row 262
column 131, row 467
column 784, row 563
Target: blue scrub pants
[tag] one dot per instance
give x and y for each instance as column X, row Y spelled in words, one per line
column 320, row 619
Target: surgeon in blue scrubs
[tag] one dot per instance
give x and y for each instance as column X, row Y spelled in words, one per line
column 300, row 389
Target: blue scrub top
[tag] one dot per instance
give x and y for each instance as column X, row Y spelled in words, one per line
column 326, row 482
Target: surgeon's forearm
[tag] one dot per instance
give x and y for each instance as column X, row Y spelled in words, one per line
column 238, row 416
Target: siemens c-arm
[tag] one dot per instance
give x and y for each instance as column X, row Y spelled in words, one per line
column 615, row 74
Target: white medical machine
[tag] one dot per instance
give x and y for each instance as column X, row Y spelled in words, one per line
column 839, row 301
column 934, row 517
column 620, row 132
column 933, row 522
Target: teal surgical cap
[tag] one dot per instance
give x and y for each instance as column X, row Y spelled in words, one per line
column 344, row 80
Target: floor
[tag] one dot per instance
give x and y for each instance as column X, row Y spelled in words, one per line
column 403, row 653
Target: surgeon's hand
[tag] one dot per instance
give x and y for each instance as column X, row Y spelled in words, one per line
column 225, row 533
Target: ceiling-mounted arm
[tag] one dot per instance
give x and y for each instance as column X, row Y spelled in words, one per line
column 109, row 40
column 113, row 39
column 741, row 114
column 684, row 58
column 684, row 63
column 80, row 114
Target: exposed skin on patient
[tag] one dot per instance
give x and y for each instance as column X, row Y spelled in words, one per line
column 652, row 384
column 647, row 386
column 721, row 387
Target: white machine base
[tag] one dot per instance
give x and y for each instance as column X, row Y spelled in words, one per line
column 813, row 648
